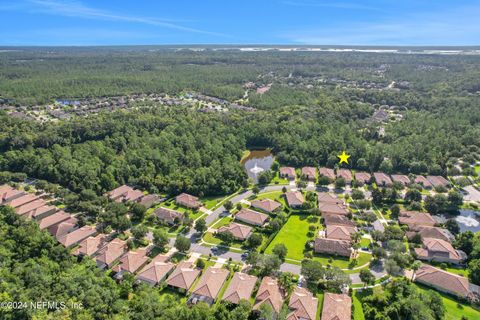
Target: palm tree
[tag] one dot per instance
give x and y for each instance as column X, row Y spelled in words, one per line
column 286, row 281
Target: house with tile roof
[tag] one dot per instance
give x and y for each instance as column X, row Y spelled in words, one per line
column 76, row 236
column 447, row 282
column 56, row 218
column 156, row 271
column 90, row 245
column 382, row 179
column 209, row 285
column 125, row 193
column 340, row 232
column 22, row 200
column 239, row 231
column 309, row 173
column 64, row 227
column 423, row 181
column 240, row 288
column 432, row 232
column 251, row 217
column 288, row 173
column 363, row 177
column 333, row 246
column 440, row 251
column 169, row 216
column 41, row 212
column 336, row 307
column 110, row 253
column 266, row 205
column 333, row 208
column 337, row 219
column 187, row 200
column 183, row 276
column 294, row 199
column 26, row 208
column 8, row 194
column 415, row 219
column 269, row 293
column 327, row 172
column 401, row 178
column 345, row 174
column 326, row 197
column 149, row 200
column 438, row 181
column 303, row 305
column 131, row 262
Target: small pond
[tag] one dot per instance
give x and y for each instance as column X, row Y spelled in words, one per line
column 256, row 162
column 468, row 220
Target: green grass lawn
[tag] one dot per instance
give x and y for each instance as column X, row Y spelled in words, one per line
column 275, row 195
column 357, row 307
column 320, row 305
column 454, row 310
column 364, row 242
column 343, row 262
column 293, row 235
column 223, row 222
column 210, row 202
column 210, row 238
column 278, row 180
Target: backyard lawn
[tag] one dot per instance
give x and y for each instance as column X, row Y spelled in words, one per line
column 293, row 235
column 222, row 222
column 210, row 238
column 275, row 195
column 453, row 309
column 343, row 262
column 357, row 307
column 172, row 205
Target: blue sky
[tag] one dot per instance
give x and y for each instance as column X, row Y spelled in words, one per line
column 346, row 22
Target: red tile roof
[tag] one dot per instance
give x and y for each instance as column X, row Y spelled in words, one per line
column 76, row 236
column 443, row 280
column 183, row 276
column 382, row 179
column 91, row 245
column 288, row 171
column 267, row 205
column 438, row 181
column 337, row 219
column 415, row 219
column 156, row 270
column 303, row 305
column 363, row 177
column 345, row 174
column 211, row 282
column 340, row 232
column 132, row 261
column 238, row 231
column 125, row 193
column 336, row 307
column 309, row 172
column 54, row 219
column 187, row 200
column 332, row 208
column 269, row 293
column 333, row 246
column 26, row 208
column 325, row 197
column 241, row 287
column 403, row 179
column 111, row 252
column 62, row 228
column 168, row 215
column 327, row 172
column 251, row 217
column 423, row 181
column 17, row 202
column 294, row 198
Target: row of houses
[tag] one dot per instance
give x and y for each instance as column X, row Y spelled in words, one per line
column 436, row 242
column 380, row 178
column 337, row 237
column 126, row 193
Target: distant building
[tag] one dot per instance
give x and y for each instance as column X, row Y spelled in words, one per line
column 309, row 173
column 288, row 173
column 327, row 172
column 168, row 215
column 188, row 201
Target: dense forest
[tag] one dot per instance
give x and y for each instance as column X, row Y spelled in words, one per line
column 172, row 149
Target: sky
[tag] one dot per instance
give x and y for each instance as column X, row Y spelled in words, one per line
column 290, row 22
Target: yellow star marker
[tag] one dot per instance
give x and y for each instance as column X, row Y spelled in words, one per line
column 343, row 157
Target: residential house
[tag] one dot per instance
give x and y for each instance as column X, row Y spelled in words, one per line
column 168, row 215
column 131, row 262
column 125, row 193
column 432, row 232
column 327, row 172
column 363, row 177
column 7, row 194
column 423, row 181
column 74, row 237
column 337, row 219
column 54, row 219
column 110, row 253
column 309, row 173
column 447, row 282
column 333, row 246
column 340, row 232
column 325, row 197
column 64, row 227
column 303, row 305
column 294, row 199
column 238, row 231
column 345, row 174
column 26, row 208
column 401, row 178
column 332, row 208
column 183, row 276
column 90, row 245
column 269, row 293
column 240, row 288
column 438, row 181
column 378, row 226
column 336, row 307
column 22, row 200
column 40, row 213
column 288, row 173
column 415, row 219
column 251, row 217
column 266, row 205
column 382, row 179
column 188, row 201
column 440, row 251
column 209, row 285
column 149, row 200
column 156, row 271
